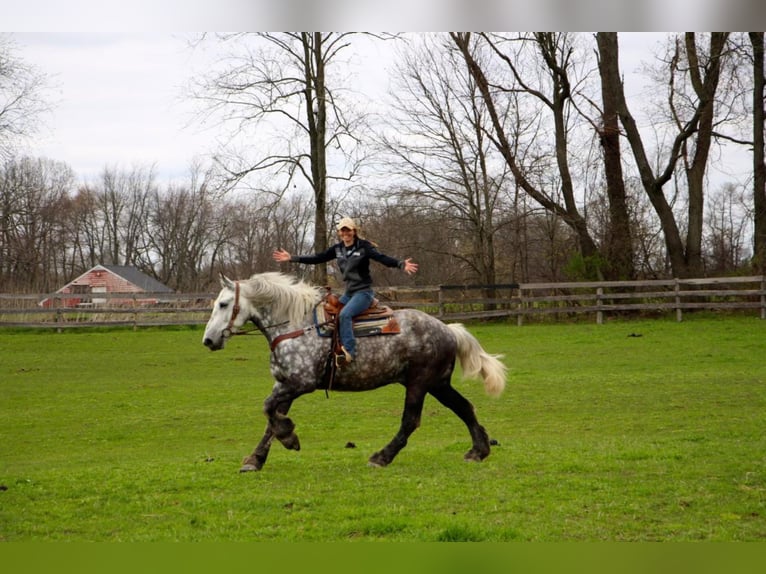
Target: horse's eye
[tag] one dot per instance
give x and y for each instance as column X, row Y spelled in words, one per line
column 223, row 305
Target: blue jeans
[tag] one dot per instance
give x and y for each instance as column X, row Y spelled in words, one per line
column 353, row 305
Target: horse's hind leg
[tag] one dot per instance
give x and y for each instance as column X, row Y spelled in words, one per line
column 453, row 400
column 413, row 408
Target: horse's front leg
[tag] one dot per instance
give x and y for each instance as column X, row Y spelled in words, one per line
column 258, row 458
column 275, row 408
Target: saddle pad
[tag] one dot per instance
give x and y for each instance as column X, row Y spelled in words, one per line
column 362, row 327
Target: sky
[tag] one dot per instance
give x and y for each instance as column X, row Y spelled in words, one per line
column 120, row 99
column 118, row 71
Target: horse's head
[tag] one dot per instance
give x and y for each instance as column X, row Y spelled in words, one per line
column 270, row 300
column 227, row 315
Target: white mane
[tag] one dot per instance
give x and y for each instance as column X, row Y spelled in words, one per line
column 290, row 299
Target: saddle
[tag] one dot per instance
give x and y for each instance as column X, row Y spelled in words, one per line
column 377, row 319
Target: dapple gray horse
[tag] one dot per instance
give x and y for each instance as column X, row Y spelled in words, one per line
column 421, row 358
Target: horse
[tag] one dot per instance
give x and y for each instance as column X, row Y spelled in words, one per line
column 421, row 357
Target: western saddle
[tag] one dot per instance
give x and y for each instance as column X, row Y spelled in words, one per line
column 377, row 319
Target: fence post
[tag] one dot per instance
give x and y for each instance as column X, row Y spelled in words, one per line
column 440, row 300
column 679, row 312
column 763, row 296
column 599, row 313
column 520, row 315
column 59, row 316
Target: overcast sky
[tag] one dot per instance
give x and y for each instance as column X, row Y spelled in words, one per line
column 118, row 95
column 122, row 99
column 119, row 98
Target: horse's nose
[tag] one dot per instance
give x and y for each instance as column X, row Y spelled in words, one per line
column 208, row 342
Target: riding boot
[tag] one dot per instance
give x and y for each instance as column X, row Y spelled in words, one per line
column 343, row 358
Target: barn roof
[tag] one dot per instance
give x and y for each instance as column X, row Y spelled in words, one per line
column 138, row 278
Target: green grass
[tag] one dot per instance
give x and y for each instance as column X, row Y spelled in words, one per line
column 138, row 436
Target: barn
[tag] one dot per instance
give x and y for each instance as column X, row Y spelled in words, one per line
column 108, row 279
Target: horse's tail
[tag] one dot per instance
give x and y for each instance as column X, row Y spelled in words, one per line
column 476, row 361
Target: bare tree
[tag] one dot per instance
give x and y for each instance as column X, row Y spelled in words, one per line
column 439, row 155
column 618, row 243
column 254, row 226
column 21, row 98
column 85, row 231
column 704, row 71
column 693, row 114
column 33, row 243
column 124, row 200
column 185, row 236
column 429, row 230
column 726, row 222
column 115, row 229
column 529, row 173
column 281, row 83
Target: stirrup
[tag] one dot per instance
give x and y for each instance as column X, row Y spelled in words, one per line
column 343, row 358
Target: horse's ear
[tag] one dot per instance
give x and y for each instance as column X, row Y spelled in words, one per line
column 226, row 282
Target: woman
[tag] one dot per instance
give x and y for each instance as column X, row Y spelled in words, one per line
column 353, row 254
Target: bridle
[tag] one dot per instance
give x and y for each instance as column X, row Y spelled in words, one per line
column 229, row 330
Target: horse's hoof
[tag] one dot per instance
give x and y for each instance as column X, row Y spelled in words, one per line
column 249, row 468
column 377, row 461
column 473, row 456
column 291, row 442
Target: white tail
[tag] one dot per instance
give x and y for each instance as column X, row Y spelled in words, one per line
column 476, row 361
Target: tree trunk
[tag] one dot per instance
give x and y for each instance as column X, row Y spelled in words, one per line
column 316, row 111
column 705, row 89
column 618, row 249
column 759, row 167
column 652, row 183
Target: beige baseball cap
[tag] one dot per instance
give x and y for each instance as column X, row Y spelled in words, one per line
column 346, row 222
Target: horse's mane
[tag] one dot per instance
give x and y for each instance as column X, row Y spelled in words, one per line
column 290, row 299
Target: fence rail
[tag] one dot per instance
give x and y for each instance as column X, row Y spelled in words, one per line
column 523, row 301
column 104, row 310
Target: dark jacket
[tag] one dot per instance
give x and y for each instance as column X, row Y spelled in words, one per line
column 354, row 262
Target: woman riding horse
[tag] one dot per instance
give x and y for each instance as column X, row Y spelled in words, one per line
column 353, row 254
column 421, row 357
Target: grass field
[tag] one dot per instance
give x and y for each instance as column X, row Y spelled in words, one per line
column 640, row 431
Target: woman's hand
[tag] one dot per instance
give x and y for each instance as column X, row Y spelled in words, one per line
column 410, row 267
column 281, row 255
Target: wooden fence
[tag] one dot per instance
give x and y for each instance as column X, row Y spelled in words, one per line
column 104, row 310
column 527, row 300
column 524, row 302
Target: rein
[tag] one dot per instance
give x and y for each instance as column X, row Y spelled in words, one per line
column 295, row 334
column 228, row 331
column 284, row 336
